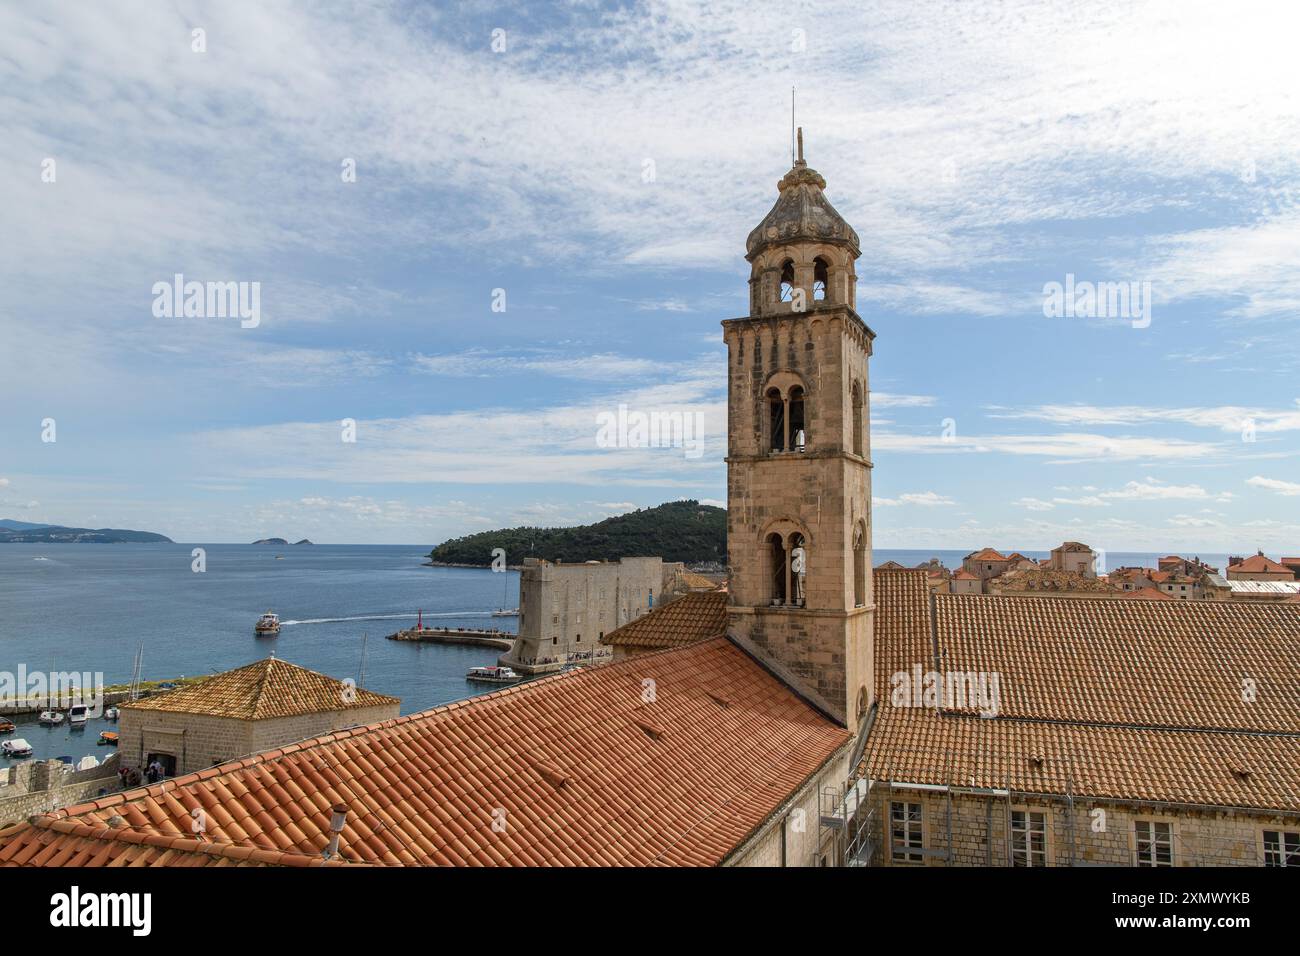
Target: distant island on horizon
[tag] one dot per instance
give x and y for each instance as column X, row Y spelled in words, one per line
column 280, row 541
column 25, row 532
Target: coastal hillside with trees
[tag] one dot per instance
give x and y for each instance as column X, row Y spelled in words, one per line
column 677, row 531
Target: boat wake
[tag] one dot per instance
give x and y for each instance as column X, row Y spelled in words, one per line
column 384, row 617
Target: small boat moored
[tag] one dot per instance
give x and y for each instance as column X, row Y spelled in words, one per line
column 51, row 717
column 110, row 713
column 108, row 737
column 77, row 715
column 16, row 748
column 267, row 625
column 493, row 675
column 6, row 726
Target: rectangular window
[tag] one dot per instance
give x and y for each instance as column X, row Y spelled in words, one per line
column 905, row 829
column 1281, row 848
column 1028, row 838
column 1155, row 843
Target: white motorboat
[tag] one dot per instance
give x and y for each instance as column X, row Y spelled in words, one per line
column 51, row 717
column 16, row 748
column 77, row 714
column 110, row 713
column 493, row 675
column 267, row 625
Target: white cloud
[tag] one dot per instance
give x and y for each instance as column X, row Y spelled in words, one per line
column 1232, row 419
column 1064, row 447
column 603, row 367
column 1152, row 489
column 927, row 499
column 1035, row 504
column 1288, row 488
column 892, row 400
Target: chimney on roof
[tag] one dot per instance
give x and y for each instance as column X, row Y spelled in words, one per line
column 338, row 818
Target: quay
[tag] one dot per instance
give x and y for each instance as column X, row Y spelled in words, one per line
column 480, row 636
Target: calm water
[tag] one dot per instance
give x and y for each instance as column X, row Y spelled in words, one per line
column 71, row 607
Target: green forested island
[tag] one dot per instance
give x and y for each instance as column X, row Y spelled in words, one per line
column 677, row 531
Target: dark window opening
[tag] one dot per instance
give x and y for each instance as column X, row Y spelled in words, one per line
column 776, row 420
column 787, row 281
column 798, row 569
column 777, row 548
column 860, row 567
column 819, row 279
column 798, row 436
column 857, row 420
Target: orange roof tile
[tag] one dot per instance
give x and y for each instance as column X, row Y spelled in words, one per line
column 1047, row 580
column 1258, row 563
column 693, row 617
column 1123, row 699
column 699, row 582
column 987, row 554
column 264, row 689
column 575, row 769
column 1147, row 594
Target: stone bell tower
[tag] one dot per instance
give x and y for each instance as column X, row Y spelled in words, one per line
column 798, row 454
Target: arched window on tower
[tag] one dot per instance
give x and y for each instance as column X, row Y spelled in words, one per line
column 775, row 420
column 787, row 280
column 798, row 569
column 860, row 565
column 857, row 420
column 776, row 550
column 821, row 278
column 798, row 436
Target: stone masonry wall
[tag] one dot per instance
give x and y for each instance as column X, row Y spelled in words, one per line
column 199, row 741
column 1103, row 833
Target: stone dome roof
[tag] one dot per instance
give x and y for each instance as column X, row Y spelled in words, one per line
column 802, row 211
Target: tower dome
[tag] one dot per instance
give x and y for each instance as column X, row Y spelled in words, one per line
column 802, row 212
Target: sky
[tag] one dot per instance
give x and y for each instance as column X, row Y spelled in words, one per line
column 475, row 229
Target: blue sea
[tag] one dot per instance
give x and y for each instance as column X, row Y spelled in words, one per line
column 88, row 607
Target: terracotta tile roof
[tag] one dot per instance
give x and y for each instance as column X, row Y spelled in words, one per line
column 699, row 582
column 964, row 575
column 987, row 554
column 71, row 842
column 1137, row 699
column 261, row 690
column 693, row 617
column 1047, row 580
column 1147, row 594
column 1258, row 563
column 576, row 769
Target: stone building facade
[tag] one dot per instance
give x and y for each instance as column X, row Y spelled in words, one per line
column 993, row 830
column 240, row 712
column 566, row 609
